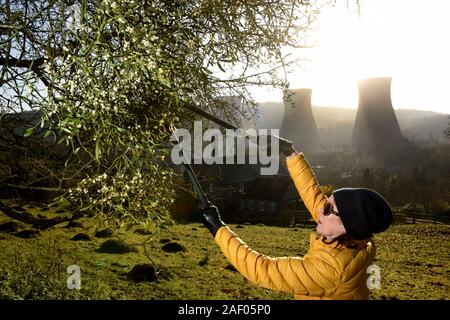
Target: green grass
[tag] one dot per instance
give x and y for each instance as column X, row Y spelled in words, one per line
column 414, row 262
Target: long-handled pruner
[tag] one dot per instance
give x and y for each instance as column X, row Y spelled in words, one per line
column 189, row 172
column 201, row 195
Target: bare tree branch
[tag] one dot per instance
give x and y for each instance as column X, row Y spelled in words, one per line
column 37, row 222
column 13, row 62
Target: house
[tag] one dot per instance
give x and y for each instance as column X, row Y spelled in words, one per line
column 270, row 200
column 243, row 195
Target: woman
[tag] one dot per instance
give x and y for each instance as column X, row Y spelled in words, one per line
column 335, row 266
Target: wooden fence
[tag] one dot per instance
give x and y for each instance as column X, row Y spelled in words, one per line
column 414, row 218
column 304, row 219
column 399, row 218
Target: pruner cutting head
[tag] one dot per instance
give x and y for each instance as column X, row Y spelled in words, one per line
column 190, row 174
column 285, row 146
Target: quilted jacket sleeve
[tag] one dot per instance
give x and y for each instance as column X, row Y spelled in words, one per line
column 306, row 184
column 312, row 275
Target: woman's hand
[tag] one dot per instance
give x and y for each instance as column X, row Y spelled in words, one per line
column 293, row 154
column 286, row 146
column 211, row 219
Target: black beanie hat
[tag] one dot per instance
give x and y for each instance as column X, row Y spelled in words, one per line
column 363, row 211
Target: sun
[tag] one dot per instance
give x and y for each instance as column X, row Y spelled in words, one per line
column 404, row 40
column 343, row 55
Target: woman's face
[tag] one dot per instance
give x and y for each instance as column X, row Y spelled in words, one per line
column 330, row 226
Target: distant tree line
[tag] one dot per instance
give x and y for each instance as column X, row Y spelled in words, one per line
column 426, row 183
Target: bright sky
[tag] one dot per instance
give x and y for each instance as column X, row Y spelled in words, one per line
column 407, row 40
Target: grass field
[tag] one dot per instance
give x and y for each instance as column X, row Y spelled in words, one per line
column 414, row 262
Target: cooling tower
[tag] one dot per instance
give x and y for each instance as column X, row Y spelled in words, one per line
column 238, row 120
column 376, row 130
column 298, row 123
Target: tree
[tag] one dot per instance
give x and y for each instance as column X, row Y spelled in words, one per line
column 367, row 180
column 447, row 131
column 111, row 78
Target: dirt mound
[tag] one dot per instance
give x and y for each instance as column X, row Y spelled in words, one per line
column 105, row 233
column 143, row 272
column 116, row 246
column 142, row 231
column 11, row 226
column 74, row 224
column 26, row 234
column 173, row 247
column 81, row 237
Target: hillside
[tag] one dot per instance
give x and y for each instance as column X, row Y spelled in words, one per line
column 413, row 260
column 336, row 124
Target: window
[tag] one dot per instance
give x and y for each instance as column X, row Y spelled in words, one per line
column 252, row 204
column 273, row 207
column 261, row 205
column 298, row 205
column 211, row 189
column 243, row 204
column 292, row 205
column 241, row 186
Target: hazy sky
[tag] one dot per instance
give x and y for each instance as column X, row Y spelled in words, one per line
column 407, row 40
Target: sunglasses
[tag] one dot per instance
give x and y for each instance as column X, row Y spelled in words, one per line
column 328, row 209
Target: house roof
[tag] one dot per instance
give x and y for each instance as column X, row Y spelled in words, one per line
column 232, row 173
column 273, row 188
column 235, row 173
column 14, row 125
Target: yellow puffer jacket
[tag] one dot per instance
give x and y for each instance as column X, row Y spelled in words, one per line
column 327, row 271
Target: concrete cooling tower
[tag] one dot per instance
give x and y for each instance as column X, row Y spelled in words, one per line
column 298, row 123
column 376, row 131
column 239, row 120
